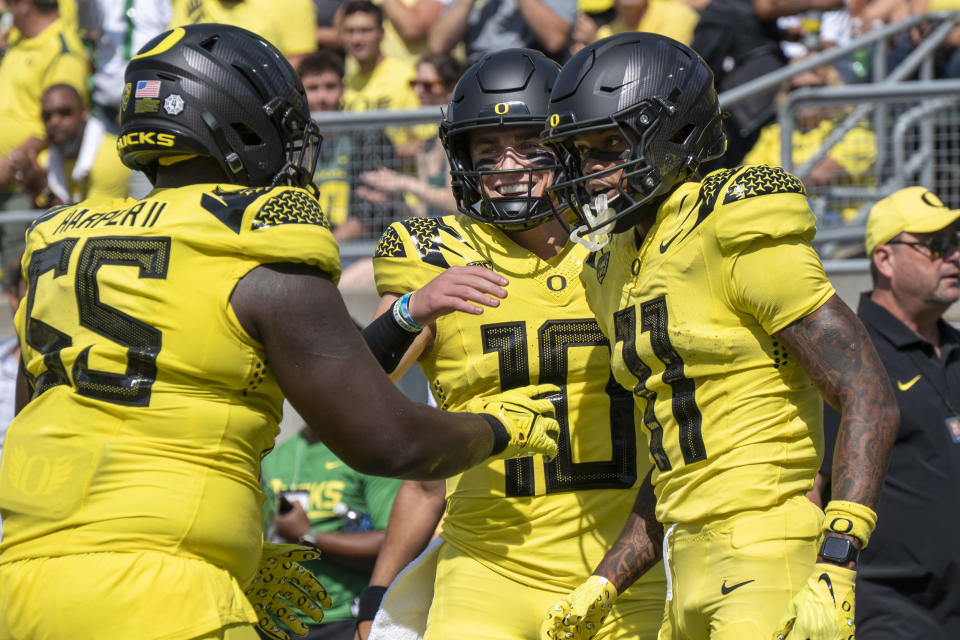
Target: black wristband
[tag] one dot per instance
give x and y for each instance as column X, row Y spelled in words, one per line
column 387, row 340
column 369, row 602
column 500, row 436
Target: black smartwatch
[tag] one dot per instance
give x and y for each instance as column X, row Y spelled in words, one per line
column 839, row 550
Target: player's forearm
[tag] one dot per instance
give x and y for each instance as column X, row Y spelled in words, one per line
column 835, row 350
column 640, row 545
column 326, row 371
column 416, row 512
column 401, row 438
column 867, row 432
column 551, row 29
column 469, row 441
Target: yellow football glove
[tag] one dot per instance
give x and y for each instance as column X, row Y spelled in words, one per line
column 280, row 584
column 527, row 418
column 823, row 608
column 578, row 615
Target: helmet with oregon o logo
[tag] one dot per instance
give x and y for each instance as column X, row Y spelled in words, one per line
column 506, row 88
column 658, row 94
column 223, row 92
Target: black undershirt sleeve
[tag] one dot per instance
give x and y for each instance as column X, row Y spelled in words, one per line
column 387, row 340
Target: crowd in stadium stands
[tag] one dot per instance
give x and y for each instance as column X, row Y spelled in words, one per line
column 62, row 89
column 399, row 54
column 849, row 162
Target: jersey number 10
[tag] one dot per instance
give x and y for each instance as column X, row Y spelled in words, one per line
column 556, row 337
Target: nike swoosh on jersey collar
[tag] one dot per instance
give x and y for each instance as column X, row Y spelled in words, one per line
column 903, row 386
column 666, row 245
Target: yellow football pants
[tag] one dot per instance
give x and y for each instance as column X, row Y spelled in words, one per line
column 472, row 602
column 133, row 596
column 732, row 579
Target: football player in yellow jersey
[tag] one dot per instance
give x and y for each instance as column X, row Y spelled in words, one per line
column 158, row 339
column 725, row 327
column 515, row 535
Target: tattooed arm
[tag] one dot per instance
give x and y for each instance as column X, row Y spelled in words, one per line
column 834, row 349
column 578, row 615
column 640, row 544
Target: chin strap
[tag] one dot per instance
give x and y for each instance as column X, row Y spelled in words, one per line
column 595, row 234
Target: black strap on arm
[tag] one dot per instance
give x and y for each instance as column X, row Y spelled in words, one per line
column 369, row 602
column 501, row 438
column 388, row 340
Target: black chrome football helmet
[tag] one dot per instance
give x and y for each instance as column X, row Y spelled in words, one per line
column 658, row 94
column 223, row 92
column 510, row 87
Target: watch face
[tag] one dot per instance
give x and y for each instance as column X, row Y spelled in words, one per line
column 838, row 549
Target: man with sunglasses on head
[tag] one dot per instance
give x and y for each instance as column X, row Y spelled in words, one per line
column 495, row 302
column 725, row 327
column 159, row 338
column 908, row 579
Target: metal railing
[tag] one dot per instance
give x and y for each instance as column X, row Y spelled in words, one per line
column 878, row 37
column 914, row 124
column 903, row 116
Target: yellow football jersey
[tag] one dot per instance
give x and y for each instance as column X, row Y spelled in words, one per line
column 733, row 421
column 152, row 405
column 542, row 524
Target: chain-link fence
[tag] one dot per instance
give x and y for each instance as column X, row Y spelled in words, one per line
column 377, row 167
column 850, row 144
column 854, row 145
column 374, row 167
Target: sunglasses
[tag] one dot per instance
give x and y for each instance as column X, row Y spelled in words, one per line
column 936, row 246
column 429, row 85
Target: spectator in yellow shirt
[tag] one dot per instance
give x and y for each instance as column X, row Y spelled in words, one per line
column 41, row 52
column 289, row 24
column 672, row 19
column 374, row 81
column 344, row 156
column 428, row 191
column 377, row 81
column 849, row 162
column 83, row 161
